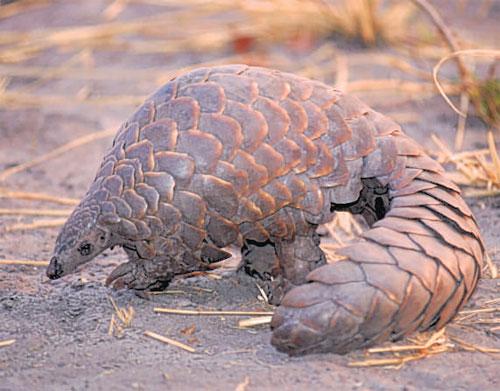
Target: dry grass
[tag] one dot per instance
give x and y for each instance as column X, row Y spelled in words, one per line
column 422, row 346
column 24, row 262
column 175, row 311
column 34, row 212
column 477, row 169
column 33, row 196
column 368, row 21
column 484, row 94
column 57, row 152
column 49, row 223
column 256, row 321
column 120, row 320
column 7, row 342
column 243, row 385
column 169, row 341
column 198, row 25
column 487, row 314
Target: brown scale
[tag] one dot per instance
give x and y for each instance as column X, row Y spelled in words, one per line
column 258, row 158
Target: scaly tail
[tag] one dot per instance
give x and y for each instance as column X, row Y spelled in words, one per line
column 412, row 270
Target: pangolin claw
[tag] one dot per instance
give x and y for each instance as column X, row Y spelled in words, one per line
column 120, row 277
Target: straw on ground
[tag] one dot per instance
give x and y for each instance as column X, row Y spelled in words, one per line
column 169, row 341
column 210, row 312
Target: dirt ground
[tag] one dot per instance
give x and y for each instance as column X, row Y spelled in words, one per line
column 61, row 327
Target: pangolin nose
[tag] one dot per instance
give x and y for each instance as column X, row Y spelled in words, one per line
column 54, row 271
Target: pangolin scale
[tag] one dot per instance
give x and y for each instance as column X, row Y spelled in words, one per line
column 259, row 158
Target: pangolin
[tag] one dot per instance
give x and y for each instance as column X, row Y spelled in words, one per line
column 259, row 158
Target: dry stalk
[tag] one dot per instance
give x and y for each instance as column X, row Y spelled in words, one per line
column 34, row 212
column 460, row 134
column 13, row 99
column 169, row 341
column 445, row 32
column 9, row 10
column 472, row 347
column 23, row 195
column 112, row 11
column 437, row 343
column 7, row 342
column 495, row 54
column 402, row 348
column 252, row 322
column 25, row 262
column 479, row 310
column 35, row 225
column 491, row 267
column 159, row 74
column 120, row 320
column 474, row 316
column 243, row 385
column 263, row 295
column 471, row 167
column 492, row 301
column 396, row 85
column 208, row 312
column 57, row 152
column 342, row 68
column 167, row 292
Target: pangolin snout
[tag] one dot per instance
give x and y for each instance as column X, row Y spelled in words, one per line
column 54, row 271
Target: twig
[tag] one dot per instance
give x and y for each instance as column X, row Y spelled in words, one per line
column 445, row 32
column 251, row 322
column 169, row 341
column 24, row 99
column 398, row 361
column 470, row 52
column 422, row 350
column 8, row 10
column 124, row 315
column 342, row 78
column 394, row 84
column 494, row 155
column 57, row 152
column 432, row 340
column 243, row 385
column 34, row 212
column 479, row 310
column 25, row 262
column 491, row 266
column 35, row 225
column 7, row 342
column 206, row 312
column 464, row 108
column 24, row 195
column 469, row 346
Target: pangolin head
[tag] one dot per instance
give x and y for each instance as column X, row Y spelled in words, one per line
column 81, row 239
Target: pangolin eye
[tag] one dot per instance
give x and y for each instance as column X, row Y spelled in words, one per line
column 85, row 249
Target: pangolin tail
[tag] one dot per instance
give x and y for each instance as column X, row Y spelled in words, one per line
column 412, row 270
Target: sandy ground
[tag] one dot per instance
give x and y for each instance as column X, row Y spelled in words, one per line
column 61, row 327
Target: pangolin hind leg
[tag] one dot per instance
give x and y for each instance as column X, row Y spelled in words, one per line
column 283, row 263
column 260, row 261
column 298, row 258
